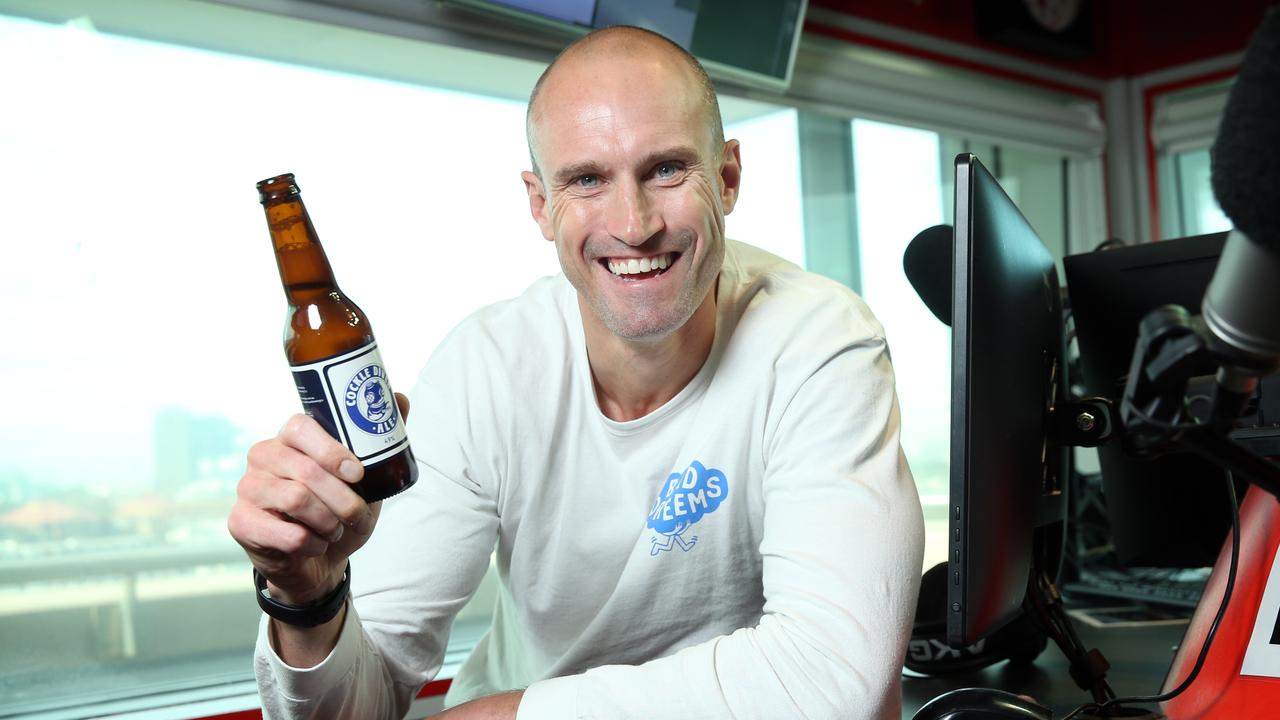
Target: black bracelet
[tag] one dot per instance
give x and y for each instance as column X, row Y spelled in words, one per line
column 317, row 613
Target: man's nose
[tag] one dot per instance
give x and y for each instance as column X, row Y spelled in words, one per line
column 633, row 217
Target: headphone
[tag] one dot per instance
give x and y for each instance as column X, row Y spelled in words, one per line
column 1019, row 641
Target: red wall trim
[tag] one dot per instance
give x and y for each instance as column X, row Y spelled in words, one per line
column 858, row 38
column 1149, row 95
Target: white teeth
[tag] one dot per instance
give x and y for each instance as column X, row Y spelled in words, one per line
column 633, row 266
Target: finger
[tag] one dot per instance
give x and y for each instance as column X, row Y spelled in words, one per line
column 290, row 500
column 402, row 401
column 333, row 458
column 296, row 485
column 305, row 434
column 273, row 543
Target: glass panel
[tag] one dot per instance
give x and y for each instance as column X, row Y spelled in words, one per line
column 1034, row 181
column 899, row 193
column 141, row 298
column 768, row 214
column 1197, row 206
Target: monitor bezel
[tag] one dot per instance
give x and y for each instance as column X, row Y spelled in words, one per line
column 987, row 580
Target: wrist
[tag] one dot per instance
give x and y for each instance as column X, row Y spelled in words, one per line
column 305, row 597
column 307, row 613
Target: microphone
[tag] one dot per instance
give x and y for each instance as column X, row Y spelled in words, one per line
column 1240, row 305
column 927, row 263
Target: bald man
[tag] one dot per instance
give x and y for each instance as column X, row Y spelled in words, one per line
column 683, row 450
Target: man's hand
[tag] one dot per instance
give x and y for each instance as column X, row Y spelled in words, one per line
column 298, row 518
column 493, row 707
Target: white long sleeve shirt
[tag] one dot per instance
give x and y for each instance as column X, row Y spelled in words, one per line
column 751, row 549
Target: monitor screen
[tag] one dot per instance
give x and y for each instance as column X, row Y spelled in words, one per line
column 578, row 12
column 1007, row 501
column 747, row 42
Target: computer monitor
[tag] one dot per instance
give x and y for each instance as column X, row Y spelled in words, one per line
column 1007, row 499
column 1168, row 511
column 751, row 43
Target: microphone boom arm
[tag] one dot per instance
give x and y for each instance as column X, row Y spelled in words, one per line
column 1152, row 411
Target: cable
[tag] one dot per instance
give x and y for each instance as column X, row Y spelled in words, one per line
column 1213, row 629
column 1163, row 425
column 1050, row 616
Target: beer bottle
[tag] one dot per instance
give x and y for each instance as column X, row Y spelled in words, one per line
column 331, row 350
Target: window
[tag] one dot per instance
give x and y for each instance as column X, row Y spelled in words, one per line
column 1183, row 126
column 768, row 213
column 1188, row 206
column 898, row 182
column 148, row 311
column 143, row 301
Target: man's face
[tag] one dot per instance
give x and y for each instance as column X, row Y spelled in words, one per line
column 631, row 190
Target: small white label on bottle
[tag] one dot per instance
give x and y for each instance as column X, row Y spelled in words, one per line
column 351, row 398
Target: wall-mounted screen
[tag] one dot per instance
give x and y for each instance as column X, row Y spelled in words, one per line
column 745, row 42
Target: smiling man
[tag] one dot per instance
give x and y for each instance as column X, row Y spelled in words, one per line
column 683, row 450
column 637, row 181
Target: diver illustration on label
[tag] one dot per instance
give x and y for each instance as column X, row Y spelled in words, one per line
column 369, row 401
column 685, row 498
column 351, row 398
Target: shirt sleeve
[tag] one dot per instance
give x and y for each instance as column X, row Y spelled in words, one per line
column 425, row 559
column 841, row 550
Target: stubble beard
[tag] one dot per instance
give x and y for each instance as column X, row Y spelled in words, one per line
column 650, row 320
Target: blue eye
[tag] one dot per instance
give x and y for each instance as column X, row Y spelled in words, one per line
column 667, row 170
column 588, row 181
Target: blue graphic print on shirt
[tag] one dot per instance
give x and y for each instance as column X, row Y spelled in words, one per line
column 685, row 498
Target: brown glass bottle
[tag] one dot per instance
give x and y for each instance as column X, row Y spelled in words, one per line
column 331, row 350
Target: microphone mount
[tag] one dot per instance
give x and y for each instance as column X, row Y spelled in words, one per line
column 1153, row 412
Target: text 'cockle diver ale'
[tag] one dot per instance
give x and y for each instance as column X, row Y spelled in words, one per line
column 331, row 350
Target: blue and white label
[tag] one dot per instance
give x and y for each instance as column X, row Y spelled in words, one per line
column 685, row 499
column 370, row 404
column 354, row 402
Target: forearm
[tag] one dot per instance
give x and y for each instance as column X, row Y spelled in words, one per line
column 832, row 659
column 354, row 680
column 757, row 673
column 494, row 707
column 301, row 647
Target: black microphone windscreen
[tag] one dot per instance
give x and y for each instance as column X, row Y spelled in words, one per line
column 1246, row 151
column 927, row 263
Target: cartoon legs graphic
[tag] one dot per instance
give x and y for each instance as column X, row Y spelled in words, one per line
column 668, row 541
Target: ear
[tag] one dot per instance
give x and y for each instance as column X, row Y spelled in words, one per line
column 538, row 205
column 730, row 176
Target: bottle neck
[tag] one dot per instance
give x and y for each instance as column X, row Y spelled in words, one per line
column 304, row 269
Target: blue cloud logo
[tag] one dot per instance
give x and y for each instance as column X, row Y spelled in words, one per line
column 685, row 498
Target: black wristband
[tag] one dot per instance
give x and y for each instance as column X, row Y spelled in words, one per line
column 317, row 613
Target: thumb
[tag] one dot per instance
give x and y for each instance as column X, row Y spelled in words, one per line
column 402, row 401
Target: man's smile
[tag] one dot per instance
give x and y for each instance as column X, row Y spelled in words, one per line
column 640, row 268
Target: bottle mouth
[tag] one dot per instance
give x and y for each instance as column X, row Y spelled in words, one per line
column 278, row 187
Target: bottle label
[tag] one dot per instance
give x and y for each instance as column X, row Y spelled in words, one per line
column 350, row 397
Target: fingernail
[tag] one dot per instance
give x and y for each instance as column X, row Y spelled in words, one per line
column 337, row 534
column 349, row 471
